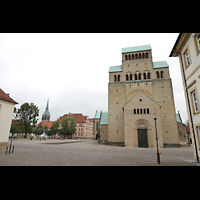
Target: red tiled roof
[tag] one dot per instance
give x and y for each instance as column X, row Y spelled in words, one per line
column 5, row 97
column 91, row 120
column 44, row 123
column 79, row 118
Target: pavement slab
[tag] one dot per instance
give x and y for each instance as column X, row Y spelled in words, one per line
column 87, row 153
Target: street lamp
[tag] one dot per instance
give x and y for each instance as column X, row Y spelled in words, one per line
column 158, row 155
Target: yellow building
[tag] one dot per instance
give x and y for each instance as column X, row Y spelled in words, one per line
column 187, row 48
column 136, row 90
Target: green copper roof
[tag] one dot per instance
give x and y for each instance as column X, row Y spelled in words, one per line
column 160, row 64
column 178, row 118
column 104, row 118
column 97, row 115
column 136, row 48
column 46, row 112
column 117, row 68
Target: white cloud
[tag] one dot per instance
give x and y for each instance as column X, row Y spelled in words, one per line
column 72, row 69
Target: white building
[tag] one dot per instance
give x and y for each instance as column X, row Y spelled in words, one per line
column 187, row 48
column 6, row 112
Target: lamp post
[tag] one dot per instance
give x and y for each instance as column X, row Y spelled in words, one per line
column 158, row 155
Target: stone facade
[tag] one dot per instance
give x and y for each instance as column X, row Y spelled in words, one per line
column 136, row 90
column 182, row 132
column 103, row 133
column 96, row 125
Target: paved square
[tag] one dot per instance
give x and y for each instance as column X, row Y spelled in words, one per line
column 86, row 153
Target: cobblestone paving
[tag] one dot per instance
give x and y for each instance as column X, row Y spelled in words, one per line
column 87, row 153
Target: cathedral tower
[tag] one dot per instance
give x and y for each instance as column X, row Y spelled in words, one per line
column 46, row 114
column 136, row 90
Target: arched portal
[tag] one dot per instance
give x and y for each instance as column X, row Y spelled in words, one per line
column 142, row 136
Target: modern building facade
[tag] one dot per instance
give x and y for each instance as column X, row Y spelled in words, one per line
column 187, row 48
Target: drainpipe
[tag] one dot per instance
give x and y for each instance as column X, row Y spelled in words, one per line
column 188, row 105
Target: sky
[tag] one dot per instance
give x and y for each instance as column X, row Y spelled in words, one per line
column 71, row 69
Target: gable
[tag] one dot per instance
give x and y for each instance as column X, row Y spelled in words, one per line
column 140, row 100
column 78, row 117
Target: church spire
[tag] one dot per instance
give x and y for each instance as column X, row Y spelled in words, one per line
column 47, row 107
column 46, row 114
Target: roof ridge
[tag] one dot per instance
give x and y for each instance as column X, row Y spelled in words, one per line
column 136, row 48
column 5, row 97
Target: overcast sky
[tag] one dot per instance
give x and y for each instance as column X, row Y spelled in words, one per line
column 71, row 69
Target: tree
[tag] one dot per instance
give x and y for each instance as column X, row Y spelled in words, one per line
column 28, row 115
column 38, row 130
column 64, row 130
column 72, row 127
column 17, row 127
column 54, row 128
column 45, row 129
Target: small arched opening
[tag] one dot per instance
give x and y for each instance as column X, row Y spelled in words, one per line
column 135, row 76
column 118, row 77
column 143, row 55
column 148, row 75
column 157, row 74
column 126, row 77
column 161, row 74
column 144, row 75
column 115, row 78
column 139, row 76
column 131, row 77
